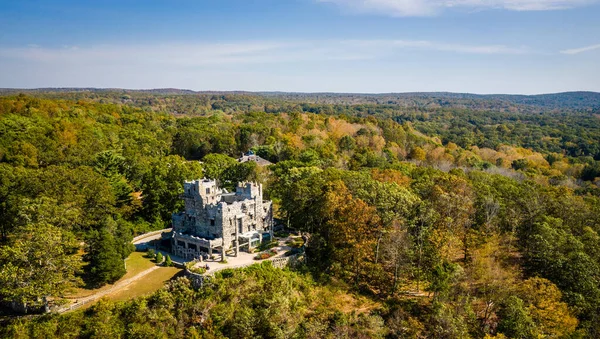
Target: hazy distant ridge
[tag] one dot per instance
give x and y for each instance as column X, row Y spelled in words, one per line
column 571, row 100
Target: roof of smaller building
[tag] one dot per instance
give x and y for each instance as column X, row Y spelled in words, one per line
column 250, row 156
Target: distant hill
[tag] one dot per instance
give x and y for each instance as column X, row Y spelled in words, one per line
column 575, row 100
column 571, row 100
column 497, row 102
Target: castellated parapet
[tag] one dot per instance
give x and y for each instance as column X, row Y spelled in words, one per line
column 217, row 220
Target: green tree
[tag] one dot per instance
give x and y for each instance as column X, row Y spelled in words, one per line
column 520, row 164
column 216, row 166
column 159, row 258
column 105, row 261
column 515, row 320
column 245, row 171
column 347, row 143
column 39, row 262
column 163, row 185
column 9, row 198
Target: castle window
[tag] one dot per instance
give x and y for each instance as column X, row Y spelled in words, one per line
column 208, row 190
column 212, row 222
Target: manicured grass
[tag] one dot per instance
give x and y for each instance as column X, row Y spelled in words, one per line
column 81, row 292
column 146, row 285
column 135, row 264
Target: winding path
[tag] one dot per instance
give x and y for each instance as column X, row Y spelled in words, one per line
column 121, row 283
column 243, row 260
column 116, row 287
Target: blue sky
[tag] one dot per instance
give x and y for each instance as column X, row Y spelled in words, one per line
column 368, row 46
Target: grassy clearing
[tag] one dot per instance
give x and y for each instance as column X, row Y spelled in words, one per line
column 146, row 285
column 135, row 263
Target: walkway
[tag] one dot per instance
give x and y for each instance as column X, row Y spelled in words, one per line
column 243, row 259
column 119, row 285
column 141, row 239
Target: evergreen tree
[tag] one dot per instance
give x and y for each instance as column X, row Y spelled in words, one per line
column 105, row 262
column 159, row 258
column 168, row 261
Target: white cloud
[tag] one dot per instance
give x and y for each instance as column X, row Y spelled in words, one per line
column 433, row 7
column 580, row 50
column 210, row 54
column 390, row 47
column 236, row 65
column 305, row 66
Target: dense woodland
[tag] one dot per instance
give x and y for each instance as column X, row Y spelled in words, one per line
column 423, row 220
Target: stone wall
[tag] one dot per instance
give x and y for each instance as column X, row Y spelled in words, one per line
column 197, row 280
column 283, row 262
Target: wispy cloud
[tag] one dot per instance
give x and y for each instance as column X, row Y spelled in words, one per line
column 580, row 50
column 235, row 65
column 389, row 47
column 402, row 8
column 261, row 52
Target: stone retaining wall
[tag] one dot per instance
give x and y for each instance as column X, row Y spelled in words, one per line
column 149, row 234
column 198, row 280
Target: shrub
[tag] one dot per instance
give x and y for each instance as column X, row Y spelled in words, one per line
column 265, row 255
column 282, row 234
column 197, row 270
column 150, row 254
column 168, row 261
column 190, row 264
column 159, row 258
column 265, row 245
column 295, row 243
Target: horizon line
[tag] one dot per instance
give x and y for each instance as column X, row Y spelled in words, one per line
column 56, row 89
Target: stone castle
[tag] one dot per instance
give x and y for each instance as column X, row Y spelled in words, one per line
column 215, row 220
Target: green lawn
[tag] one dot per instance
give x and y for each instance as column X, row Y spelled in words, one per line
column 135, row 263
column 146, row 285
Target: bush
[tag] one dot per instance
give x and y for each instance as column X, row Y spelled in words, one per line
column 265, row 245
column 197, row 270
column 190, row 264
column 282, row 234
column 159, row 258
column 265, row 255
column 295, row 243
column 150, row 254
column 168, row 261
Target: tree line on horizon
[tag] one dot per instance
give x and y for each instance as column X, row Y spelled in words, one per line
column 442, row 238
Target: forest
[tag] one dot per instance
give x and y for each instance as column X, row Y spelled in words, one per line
column 426, row 217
